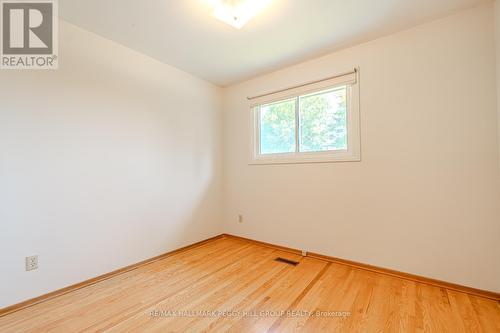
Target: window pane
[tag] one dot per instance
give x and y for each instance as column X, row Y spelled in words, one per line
column 277, row 127
column 323, row 121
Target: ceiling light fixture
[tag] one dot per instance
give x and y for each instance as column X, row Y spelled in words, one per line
column 237, row 13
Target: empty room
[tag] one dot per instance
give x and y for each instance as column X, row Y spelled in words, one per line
column 249, row 166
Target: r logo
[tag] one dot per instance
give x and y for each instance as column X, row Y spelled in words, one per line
column 27, row 28
column 29, row 34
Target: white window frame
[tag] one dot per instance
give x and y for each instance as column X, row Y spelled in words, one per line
column 353, row 151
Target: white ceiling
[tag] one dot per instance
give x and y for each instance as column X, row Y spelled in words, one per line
column 183, row 34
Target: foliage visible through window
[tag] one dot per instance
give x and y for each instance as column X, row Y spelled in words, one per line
column 277, row 127
column 310, row 123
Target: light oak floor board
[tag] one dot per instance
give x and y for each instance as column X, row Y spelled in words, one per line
column 254, row 293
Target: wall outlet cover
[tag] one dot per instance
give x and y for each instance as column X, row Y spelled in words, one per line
column 31, row 263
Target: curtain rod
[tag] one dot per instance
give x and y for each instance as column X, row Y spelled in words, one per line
column 303, row 84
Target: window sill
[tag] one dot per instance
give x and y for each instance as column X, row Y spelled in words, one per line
column 305, row 158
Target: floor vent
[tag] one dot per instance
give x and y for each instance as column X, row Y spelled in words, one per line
column 287, row 261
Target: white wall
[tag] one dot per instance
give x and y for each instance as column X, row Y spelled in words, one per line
column 110, row 160
column 424, row 199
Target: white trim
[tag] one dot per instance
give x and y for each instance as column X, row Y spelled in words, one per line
column 351, row 154
column 297, row 122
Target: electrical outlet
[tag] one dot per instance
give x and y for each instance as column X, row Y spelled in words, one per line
column 31, row 263
column 240, row 218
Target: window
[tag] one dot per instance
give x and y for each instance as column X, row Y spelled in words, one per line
column 316, row 122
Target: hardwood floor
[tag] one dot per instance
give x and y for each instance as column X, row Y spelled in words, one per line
column 242, row 279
